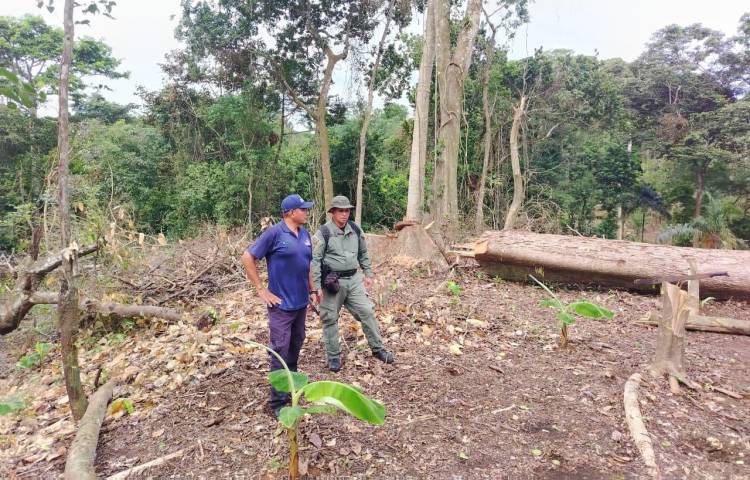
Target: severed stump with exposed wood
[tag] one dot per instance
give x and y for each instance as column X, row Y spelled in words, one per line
column 672, row 338
column 513, row 254
column 695, row 321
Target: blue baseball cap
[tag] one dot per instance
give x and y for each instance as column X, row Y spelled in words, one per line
column 294, row 201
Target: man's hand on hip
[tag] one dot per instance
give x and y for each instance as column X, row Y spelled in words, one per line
column 369, row 281
column 269, row 298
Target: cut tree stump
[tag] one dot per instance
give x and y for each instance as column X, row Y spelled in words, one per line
column 696, row 321
column 80, row 462
column 672, row 338
column 513, row 254
column 412, row 246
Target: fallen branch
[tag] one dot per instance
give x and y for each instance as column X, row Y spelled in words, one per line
column 636, row 426
column 726, row 392
column 703, row 323
column 145, row 466
column 16, row 303
column 113, row 309
column 80, row 462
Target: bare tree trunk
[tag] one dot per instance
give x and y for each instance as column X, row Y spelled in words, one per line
column 318, row 115
column 488, row 56
column 366, row 117
column 250, row 202
column 320, row 123
column 620, row 213
column 700, row 179
column 452, row 69
column 418, row 159
column 67, row 307
column 518, row 187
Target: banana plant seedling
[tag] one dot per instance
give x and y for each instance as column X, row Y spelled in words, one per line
column 566, row 312
column 320, row 397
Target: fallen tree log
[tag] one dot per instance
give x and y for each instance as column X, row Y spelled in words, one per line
column 16, row 303
column 514, row 254
column 111, row 308
column 637, row 428
column 80, row 462
column 703, row 323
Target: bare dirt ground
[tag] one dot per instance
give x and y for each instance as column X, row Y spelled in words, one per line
column 480, row 389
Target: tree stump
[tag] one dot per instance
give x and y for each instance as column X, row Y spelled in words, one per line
column 672, row 337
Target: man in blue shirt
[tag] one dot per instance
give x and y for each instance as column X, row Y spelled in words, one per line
column 287, row 248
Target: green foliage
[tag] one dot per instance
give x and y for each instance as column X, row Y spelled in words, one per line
column 29, row 41
column 566, row 312
column 280, row 381
column 13, row 404
column 590, row 310
column 599, row 135
column 453, row 287
column 323, row 397
column 122, row 404
column 35, row 358
column 16, row 91
column 346, row 398
column 710, row 230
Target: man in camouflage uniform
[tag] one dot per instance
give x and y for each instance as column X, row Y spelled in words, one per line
column 343, row 253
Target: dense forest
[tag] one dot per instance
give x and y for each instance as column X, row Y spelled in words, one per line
column 655, row 149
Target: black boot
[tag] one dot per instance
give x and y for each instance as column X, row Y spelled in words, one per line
column 384, row 355
column 334, row 364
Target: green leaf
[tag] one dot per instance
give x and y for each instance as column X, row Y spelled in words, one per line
column 590, row 310
column 566, row 318
column 346, row 398
column 42, row 348
column 288, row 416
column 29, row 361
column 550, row 303
column 536, row 452
column 9, row 75
column 315, row 409
column 279, row 380
column 11, row 406
column 128, row 405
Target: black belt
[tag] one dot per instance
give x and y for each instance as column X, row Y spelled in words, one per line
column 345, row 273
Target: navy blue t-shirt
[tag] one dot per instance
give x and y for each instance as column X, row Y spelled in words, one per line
column 288, row 257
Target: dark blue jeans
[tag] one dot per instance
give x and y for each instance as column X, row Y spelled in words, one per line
column 287, row 334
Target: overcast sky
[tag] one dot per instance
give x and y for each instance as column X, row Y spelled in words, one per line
column 143, row 31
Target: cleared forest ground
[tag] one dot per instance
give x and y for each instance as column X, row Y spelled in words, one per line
column 480, row 389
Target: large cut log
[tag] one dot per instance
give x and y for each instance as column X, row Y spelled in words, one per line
column 513, row 254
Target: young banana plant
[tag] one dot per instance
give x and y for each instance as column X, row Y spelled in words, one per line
column 566, row 312
column 320, row 397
